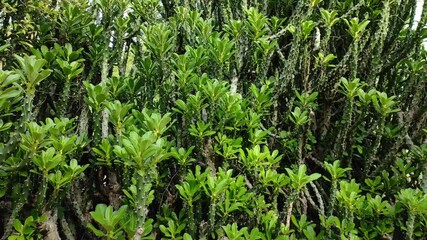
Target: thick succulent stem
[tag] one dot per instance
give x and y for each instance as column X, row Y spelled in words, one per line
column 288, row 208
column 50, row 225
column 410, row 226
column 301, row 144
column 42, row 193
column 319, row 198
column 63, row 104
column 355, row 59
column 332, row 195
column 19, row 204
column 96, row 128
column 212, row 214
column 274, row 202
column 191, row 221
column 341, row 143
column 376, row 146
column 66, row 229
column 140, row 207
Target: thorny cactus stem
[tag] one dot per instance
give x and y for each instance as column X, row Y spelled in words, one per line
column 140, row 206
column 50, row 225
column 42, row 193
column 212, row 213
column 410, row 225
column 27, row 108
column 301, row 144
column 83, row 120
column 319, row 198
column 66, row 228
column 332, row 197
column 27, row 116
column 376, row 146
column 104, row 113
column 191, row 220
column 379, row 40
column 62, row 109
column 355, row 59
column 19, row 204
column 343, row 136
column 354, row 9
column 96, row 128
column 274, row 202
column 289, row 207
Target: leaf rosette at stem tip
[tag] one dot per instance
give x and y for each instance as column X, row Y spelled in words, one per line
column 108, row 220
column 48, row 160
column 335, row 170
column 300, row 179
column 383, row 104
column 329, row 17
column 32, row 72
column 142, row 151
column 355, row 28
column 97, row 94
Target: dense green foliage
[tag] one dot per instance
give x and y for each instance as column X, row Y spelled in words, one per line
column 193, row 119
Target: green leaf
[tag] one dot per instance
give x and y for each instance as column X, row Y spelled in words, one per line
column 97, row 232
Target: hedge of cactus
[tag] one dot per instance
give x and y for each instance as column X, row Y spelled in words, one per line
column 192, row 119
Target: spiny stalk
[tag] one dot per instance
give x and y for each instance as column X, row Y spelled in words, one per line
column 376, row 147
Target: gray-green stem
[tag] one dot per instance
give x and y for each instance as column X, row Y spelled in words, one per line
column 376, row 145
column 140, row 207
column 212, row 213
column 410, row 226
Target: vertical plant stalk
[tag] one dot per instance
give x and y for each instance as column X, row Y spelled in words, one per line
column 198, row 215
column 275, row 114
column 289, row 215
column 104, row 124
column 349, row 215
column 303, row 205
column 324, row 49
column 83, row 120
column 50, row 225
column 96, row 128
column 319, row 198
column 66, row 229
column 354, row 9
column 207, row 154
column 27, row 109
column 289, row 207
column 379, row 41
column 65, row 97
column 42, row 193
column 355, row 59
column 290, row 65
column 307, row 66
column 114, row 189
column 19, row 204
column 76, row 203
column 341, row 143
column 212, row 214
column 302, row 137
column 274, row 202
column 332, row 195
column 191, row 221
column 376, row 146
column 104, row 114
column 26, row 117
column 140, row 207
column 410, row 225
